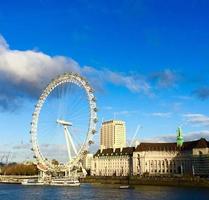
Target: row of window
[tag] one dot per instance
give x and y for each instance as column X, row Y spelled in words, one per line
column 163, row 171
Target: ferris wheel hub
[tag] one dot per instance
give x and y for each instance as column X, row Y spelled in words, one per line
column 64, row 123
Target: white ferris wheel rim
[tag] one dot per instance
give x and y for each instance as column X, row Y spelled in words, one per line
column 76, row 79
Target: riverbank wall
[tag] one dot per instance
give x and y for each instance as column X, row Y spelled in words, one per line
column 123, row 180
column 14, row 179
column 159, row 181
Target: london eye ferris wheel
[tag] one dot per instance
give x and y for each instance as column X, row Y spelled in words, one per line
column 63, row 123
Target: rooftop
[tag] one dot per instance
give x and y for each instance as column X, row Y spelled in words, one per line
column 113, row 121
column 201, row 143
column 144, row 146
column 117, row 151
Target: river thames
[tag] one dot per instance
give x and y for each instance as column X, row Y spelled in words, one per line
column 87, row 191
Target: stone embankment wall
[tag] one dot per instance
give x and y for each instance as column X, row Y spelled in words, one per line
column 162, row 181
column 105, row 180
column 14, row 179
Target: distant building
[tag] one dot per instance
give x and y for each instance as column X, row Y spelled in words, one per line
column 168, row 158
column 113, row 162
column 177, row 158
column 87, row 161
column 113, row 134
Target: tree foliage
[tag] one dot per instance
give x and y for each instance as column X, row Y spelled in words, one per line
column 19, row 169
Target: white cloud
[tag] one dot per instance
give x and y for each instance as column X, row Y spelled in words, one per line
column 26, row 146
column 183, row 97
column 197, row 119
column 19, row 153
column 14, row 153
column 3, row 44
column 190, row 136
column 22, row 152
column 202, row 93
column 166, row 78
column 32, row 67
column 133, row 83
column 125, row 112
column 195, row 135
column 161, row 114
column 26, row 72
column 107, row 108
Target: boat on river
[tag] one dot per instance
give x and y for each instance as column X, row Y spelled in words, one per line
column 53, row 182
column 65, row 182
column 32, row 182
column 126, row 187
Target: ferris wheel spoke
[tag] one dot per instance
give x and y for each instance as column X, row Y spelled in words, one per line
column 79, row 108
column 60, row 100
column 79, row 97
column 60, row 89
column 77, row 136
column 74, row 104
column 77, row 144
column 78, row 104
column 79, row 114
column 80, row 111
column 63, row 109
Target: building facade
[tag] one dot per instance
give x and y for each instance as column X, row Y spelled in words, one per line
column 113, row 162
column 188, row 158
column 87, row 161
column 113, row 134
column 168, row 158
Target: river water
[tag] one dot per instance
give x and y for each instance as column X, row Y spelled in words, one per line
column 100, row 192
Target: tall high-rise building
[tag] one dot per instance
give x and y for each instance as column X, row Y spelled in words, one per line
column 113, row 134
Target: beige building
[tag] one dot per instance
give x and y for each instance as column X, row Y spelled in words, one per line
column 87, row 161
column 154, row 159
column 113, row 162
column 113, row 134
column 192, row 158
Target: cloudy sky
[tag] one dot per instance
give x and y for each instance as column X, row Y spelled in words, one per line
column 147, row 60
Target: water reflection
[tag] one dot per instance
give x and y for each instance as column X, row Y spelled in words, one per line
column 100, row 192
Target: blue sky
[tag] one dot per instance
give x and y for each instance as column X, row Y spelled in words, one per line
column 148, row 61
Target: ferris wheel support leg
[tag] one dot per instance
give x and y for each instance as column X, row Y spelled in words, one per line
column 83, row 170
column 71, row 141
column 67, row 141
